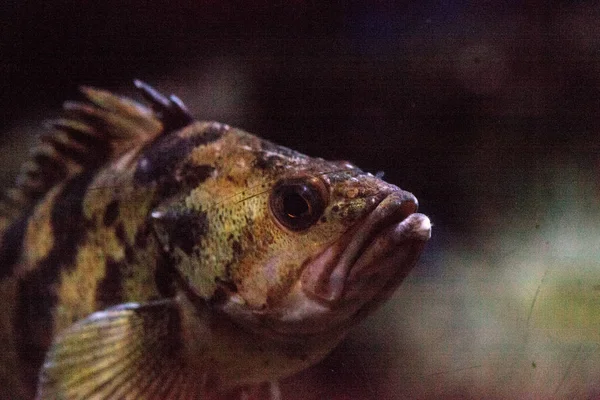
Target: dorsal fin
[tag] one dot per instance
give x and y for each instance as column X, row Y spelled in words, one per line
column 90, row 134
column 172, row 112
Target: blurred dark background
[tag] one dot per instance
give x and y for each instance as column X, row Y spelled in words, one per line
column 488, row 111
column 437, row 94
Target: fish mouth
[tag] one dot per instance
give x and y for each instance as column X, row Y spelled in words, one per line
column 370, row 258
column 351, row 276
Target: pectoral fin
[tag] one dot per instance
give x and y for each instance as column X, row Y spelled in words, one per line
column 131, row 351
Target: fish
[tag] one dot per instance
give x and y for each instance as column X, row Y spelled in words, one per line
column 145, row 254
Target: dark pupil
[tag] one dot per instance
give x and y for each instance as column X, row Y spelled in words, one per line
column 294, row 205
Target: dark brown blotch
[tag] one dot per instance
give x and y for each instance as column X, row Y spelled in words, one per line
column 236, row 246
column 111, row 213
column 190, row 230
column 141, row 236
column 110, row 288
column 161, row 159
column 183, row 229
column 120, row 233
column 165, row 277
column 192, row 176
column 53, row 170
column 37, row 291
column 129, row 254
column 33, row 323
column 69, row 224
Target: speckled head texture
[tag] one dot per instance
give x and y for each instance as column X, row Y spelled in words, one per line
column 281, row 239
column 221, row 260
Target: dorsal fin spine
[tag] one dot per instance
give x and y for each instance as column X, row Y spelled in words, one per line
column 171, row 111
column 87, row 137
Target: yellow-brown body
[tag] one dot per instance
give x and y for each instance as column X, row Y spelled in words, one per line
column 184, row 213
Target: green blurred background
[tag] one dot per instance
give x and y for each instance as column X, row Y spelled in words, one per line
column 487, row 111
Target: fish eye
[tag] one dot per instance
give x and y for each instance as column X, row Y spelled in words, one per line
column 298, row 203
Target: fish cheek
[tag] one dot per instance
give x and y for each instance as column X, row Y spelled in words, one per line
column 268, row 273
column 281, row 286
column 257, row 270
column 263, row 284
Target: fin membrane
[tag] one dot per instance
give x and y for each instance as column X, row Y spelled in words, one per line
column 90, row 134
column 130, row 351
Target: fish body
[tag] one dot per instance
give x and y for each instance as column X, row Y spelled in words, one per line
column 145, row 254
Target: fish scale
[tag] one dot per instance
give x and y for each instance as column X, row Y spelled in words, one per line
column 229, row 261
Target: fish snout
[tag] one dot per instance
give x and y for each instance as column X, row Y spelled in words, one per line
column 390, row 228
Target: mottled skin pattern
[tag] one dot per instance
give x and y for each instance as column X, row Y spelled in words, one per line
column 184, row 211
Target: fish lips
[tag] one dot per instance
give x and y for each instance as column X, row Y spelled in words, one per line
column 371, row 258
column 350, row 277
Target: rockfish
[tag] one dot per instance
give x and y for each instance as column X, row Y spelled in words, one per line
column 148, row 255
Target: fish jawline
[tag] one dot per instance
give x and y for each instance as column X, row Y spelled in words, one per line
column 301, row 314
column 326, row 276
column 349, row 277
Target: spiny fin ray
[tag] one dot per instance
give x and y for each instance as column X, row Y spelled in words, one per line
column 173, row 113
column 90, row 134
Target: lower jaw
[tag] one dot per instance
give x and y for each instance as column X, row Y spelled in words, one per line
column 379, row 277
column 379, row 270
column 364, row 290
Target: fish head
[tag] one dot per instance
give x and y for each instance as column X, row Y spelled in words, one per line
column 283, row 242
